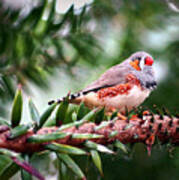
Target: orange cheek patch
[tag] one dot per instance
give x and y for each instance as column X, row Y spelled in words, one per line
column 135, row 65
column 121, row 89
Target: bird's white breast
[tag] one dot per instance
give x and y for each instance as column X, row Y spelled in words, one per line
column 132, row 99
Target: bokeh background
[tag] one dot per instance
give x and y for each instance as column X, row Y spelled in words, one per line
column 53, row 47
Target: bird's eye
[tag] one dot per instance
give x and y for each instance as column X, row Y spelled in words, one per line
column 139, row 58
column 136, row 58
column 149, row 61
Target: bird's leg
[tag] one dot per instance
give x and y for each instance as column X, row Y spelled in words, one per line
column 121, row 116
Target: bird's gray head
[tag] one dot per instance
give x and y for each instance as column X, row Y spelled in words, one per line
column 141, row 61
column 141, row 64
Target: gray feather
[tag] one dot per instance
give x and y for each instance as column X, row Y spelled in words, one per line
column 115, row 75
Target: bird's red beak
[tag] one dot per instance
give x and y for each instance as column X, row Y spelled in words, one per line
column 149, row 61
column 135, row 64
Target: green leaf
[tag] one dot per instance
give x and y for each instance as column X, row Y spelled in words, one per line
column 56, row 27
column 86, row 118
column 100, row 115
column 20, row 46
column 81, row 16
column 8, row 152
column 41, row 25
column 70, row 113
column 47, row 137
column 51, row 13
column 97, row 160
column 18, row 131
column 25, row 175
column 34, row 112
column 98, row 147
column 77, row 123
column 113, row 134
column 3, row 122
column 121, row 146
column 17, row 108
column 114, row 115
column 46, row 115
column 71, row 165
column 82, row 110
column 74, row 116
column 9, row 171
column 73, row 23
column 89, row 116
column 86, row 136
column 62, row 111
column 50, row 122
column 62, row 148
column 7, row 168
column 63, row 171
column 104, row 124
column 4, row 161
column 9, row 86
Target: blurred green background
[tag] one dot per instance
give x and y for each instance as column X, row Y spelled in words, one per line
column 53, row 47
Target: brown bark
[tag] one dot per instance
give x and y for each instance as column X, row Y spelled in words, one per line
column 143, row 130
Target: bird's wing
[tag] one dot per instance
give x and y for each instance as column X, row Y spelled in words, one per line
column 114, row 76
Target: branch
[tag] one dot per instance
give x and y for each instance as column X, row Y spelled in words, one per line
column 144, row 130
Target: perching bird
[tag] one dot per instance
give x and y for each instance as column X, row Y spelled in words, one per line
column 125, row 85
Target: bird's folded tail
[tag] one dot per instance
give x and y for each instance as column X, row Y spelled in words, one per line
column 69, row 97
column 78, row 94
